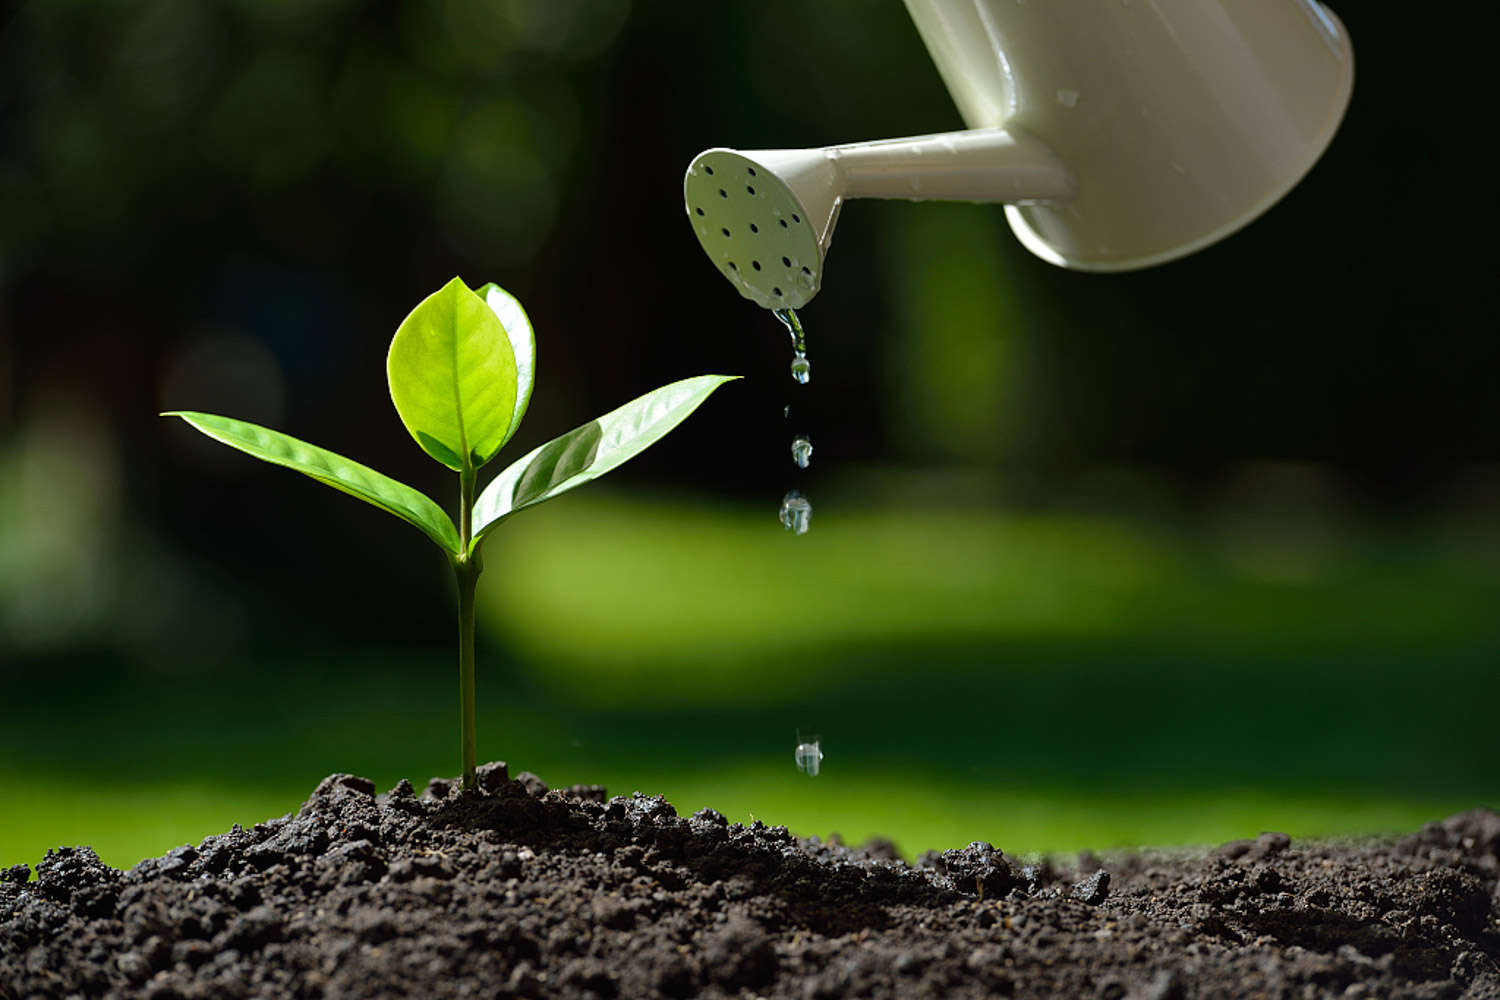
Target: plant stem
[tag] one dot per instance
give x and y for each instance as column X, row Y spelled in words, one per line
column 466, row 568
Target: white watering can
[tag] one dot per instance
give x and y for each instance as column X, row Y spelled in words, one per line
column 1118, row 133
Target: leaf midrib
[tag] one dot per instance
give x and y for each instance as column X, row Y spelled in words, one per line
column 458, row 399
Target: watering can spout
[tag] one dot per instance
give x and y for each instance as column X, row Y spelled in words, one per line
column 766, row 217
column 1118, row 134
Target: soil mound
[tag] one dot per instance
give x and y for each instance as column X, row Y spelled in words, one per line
column 523, row 892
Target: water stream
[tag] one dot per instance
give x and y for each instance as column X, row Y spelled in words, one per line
column 796, row 510
column 801, row 368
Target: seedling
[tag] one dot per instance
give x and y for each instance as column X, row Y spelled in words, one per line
column 460, row 370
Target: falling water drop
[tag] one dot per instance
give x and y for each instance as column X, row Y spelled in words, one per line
column 801, row 369
column 796, row 512
column 801, row 450
column 809, row 756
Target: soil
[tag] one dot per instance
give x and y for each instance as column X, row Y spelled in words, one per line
column 522, row 892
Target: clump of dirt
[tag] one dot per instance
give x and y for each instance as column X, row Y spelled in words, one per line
column 523, row 892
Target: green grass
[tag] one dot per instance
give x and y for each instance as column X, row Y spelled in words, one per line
column 640, row 601
column 1042, row 682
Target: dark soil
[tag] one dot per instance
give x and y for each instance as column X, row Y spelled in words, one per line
column 523, row 892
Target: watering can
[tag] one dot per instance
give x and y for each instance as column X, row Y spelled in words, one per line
column 1118, row 134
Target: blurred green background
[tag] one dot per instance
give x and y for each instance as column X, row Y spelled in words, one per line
column 1159, row 558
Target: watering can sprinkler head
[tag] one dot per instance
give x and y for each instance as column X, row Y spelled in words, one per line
column 1117, row 134
column 766, row 217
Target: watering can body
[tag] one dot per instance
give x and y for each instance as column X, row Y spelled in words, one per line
column 1179, row 120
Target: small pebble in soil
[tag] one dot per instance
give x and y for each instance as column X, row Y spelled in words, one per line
column 492, row 776
column 979, row 870
column 1094, row 889
column 534, row 786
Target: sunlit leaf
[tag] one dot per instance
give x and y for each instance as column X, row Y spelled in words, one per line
column 452, row 374
column 522, row 344
column 330, row 469
column 590, row 451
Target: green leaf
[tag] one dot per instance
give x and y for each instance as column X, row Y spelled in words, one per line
column 522, row 345
column 452, row 373
column 590, row 451
column 331, row 470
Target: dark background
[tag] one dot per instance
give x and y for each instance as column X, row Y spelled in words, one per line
column 182, row 184
column 231, row 206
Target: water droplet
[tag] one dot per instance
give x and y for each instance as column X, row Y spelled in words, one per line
column 809, row 757
column 786, row 411
column 801, row 369
column 796, row 512
column 801, row 450
column 916, row 185
column 1067, row 98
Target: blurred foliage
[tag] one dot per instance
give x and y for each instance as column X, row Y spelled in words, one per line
column 1099, row 681
column 928, row 575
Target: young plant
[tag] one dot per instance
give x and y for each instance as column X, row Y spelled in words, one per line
column 460, row 370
